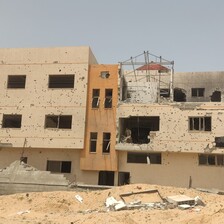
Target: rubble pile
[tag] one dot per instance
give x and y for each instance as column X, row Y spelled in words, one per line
column 139, row 202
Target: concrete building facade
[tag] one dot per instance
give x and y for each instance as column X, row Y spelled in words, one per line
column 63, row 112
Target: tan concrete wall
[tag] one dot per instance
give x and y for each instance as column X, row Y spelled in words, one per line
column 175, row 170
column 56, row 55
column 174, row 134
column 37, row 100
column 101, row 120
column 38, row 159
column 211, row 81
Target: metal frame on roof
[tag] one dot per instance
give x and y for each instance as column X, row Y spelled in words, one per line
column 149, row 59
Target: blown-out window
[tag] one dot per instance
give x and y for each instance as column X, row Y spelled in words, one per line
column 108, row 98
column 95, row 98
column 106, row 142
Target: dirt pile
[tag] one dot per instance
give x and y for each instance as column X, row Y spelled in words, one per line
column 64, row 207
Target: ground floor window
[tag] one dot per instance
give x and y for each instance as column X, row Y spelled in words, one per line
column 106, row 178
column 123, row 178
column 59, row 166
column 211, row 160
column 148, row 158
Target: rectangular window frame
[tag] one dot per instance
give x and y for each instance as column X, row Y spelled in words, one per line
column 95, row 98
column 58, row 119
column 12, row 121
column 200, row 124
column 56, row 166
column 212, row 160
column 61, row 81
column 144, row 158
column 16, row 82
column 106, row 142
column 197, row 92
column 108, row 102
column 93, row 142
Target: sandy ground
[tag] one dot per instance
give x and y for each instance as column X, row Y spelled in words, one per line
column 63, row 207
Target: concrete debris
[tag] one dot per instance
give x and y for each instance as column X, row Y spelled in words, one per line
column 198, row 201
column 183, row 202
column 184, row 206
column 121, row 205
column 180, row 200
column 23, row 212
column 79, row 198
column 113, row 204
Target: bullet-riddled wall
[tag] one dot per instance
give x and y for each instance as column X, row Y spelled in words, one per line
column 37, row 99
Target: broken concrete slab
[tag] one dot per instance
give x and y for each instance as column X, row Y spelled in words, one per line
column 147, row 196
column 19, row 177
column 184, row 206
column 198, row 201
column 121, row 205
column 180, row 200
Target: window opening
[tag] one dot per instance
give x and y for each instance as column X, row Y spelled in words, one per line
column 106, row 142
column 93, row 141
column 95, row 98
column 23, row 159
column 105, row 74
column 59, row 166
column 147, row 158
column 197, row 92
column 61, row 81
column 108, row 98
column 219, row 141
column 137, row 129
column 211, row 160
column 216, row 96
column 165, row 93
column 200, row 123
column 16, row 82
column 179, row 95
column 11, row 121
column 106, row 178
column 123, row 178
column 58, row 121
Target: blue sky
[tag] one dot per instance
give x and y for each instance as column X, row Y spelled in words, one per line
column 190, row 32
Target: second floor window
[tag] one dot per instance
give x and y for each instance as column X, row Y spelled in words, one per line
column 95, row 98
column 58, row 121
column 16, row 82
column 106, row 142
column 108, row 98
column 61, row 81
column 93, row 141
column 200, row 123
column 11, row 121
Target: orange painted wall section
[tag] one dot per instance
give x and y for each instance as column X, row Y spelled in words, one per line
column 101, row 120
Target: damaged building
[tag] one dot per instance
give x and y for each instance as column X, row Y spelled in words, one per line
column 136, row 121
column 170, row 125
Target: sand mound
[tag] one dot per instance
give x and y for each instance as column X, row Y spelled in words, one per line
column 63, row 207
